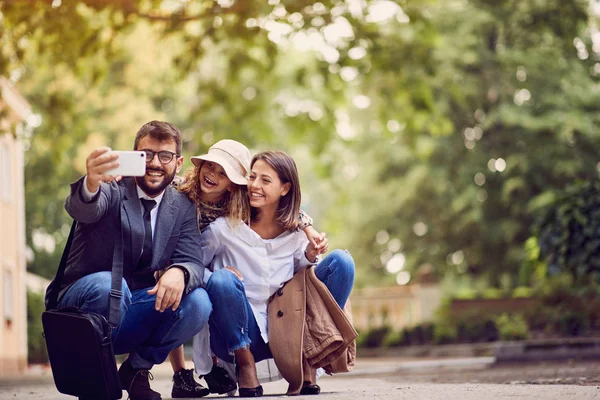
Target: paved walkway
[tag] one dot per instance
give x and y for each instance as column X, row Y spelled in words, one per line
column 390, row 379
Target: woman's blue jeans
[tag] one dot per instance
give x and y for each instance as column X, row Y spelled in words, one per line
column 232, row 323
column 148, row 335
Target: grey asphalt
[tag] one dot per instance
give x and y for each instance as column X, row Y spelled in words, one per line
column 391, row 378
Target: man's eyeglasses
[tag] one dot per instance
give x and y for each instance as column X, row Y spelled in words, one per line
column 164, row 156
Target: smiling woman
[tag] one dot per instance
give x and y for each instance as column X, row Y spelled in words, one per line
column 275, row 188
column 218, row 181
column 213, row 180
column 251, row 262
column 217, row 186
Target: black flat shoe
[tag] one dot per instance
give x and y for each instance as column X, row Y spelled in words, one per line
column 251, row 392
column 310, row 388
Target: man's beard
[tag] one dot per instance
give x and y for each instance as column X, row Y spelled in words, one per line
column 155, row 190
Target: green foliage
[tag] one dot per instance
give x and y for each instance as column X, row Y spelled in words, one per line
column 421, row 334
column 96, row 71
column 393, row 339
column 458, row 120
column 534, row 269
column 466, row 294
column 568, row 233
column 564, row 322
column 560, row 310
column 564, row 309
column 444, row 333
column 492, row 293
column 572, row 324
column 36, row 345
column 385, row 336
column 506, row 106
column 512, row 327
column 375, row 337
column 360, row 340
column 476, row 328
column 522, row 292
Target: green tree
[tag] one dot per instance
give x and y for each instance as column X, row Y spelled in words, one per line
column 502, row 112
column 36, row 345
column 432, row 129
column 95, row 71
column 567, row 233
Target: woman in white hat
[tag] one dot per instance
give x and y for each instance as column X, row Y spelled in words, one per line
column 218, row 186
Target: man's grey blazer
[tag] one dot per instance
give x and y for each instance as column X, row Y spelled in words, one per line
column 176, row 236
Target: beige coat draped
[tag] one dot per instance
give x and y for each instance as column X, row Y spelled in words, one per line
column 307, row 329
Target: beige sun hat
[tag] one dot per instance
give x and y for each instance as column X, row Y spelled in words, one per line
column 233, row 156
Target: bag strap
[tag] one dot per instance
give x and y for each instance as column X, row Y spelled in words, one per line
column 116, row 277
column 53, row 300
column 116, row 282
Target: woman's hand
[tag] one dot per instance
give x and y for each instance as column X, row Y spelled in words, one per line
column 313, row 236
column 314, row 250
column 322, row 243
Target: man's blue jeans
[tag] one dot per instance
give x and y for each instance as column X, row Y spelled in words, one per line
column 232, row 323
column 148, row 335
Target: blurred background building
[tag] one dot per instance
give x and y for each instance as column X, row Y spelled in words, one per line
column 14, row 110
column 397, row 307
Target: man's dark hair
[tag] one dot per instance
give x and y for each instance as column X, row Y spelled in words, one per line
column 161, row 131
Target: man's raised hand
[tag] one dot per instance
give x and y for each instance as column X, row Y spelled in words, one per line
column 98, row 162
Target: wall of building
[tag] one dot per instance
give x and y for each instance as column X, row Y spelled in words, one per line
column 13, row 294
column 397, row 307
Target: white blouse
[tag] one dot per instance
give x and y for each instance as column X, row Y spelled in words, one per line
column 265, row 264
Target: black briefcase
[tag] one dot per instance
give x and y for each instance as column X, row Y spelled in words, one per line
column 79, row 343
column 81, row 354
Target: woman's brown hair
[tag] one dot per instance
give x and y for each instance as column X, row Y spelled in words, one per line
column 289, row 205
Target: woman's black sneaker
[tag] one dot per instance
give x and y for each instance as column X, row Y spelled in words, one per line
column 219, row 381
column 184, row 385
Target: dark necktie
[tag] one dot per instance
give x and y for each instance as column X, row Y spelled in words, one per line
column 146, row 258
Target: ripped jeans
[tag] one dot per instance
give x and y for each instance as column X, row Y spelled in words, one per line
column 232, row 323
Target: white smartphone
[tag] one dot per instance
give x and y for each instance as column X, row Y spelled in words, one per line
column 131, row 163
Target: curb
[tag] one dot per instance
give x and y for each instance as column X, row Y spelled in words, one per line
column 550, row 349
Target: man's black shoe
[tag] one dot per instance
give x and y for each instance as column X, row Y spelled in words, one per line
column 184, row 385
column 135, row 381
column 219, row 381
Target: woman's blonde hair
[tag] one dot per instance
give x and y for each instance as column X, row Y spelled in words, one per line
column 237, row 205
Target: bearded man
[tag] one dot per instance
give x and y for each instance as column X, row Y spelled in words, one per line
column 159, row 231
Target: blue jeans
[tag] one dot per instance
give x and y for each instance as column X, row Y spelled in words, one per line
column 148, row 335
column 232, row 323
